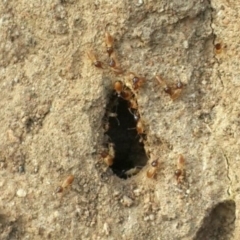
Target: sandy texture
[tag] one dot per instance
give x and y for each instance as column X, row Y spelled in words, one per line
column 53, row 101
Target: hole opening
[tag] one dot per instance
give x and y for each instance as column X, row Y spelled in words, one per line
column 130, row 156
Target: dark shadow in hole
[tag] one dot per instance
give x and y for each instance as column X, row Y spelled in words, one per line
column 219, row 224
column 129, row 152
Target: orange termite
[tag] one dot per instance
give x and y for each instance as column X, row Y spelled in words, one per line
column 180, row 172
column 118, row 87
column 94, row 59
column 164, row 85
column 173, row 91
column 109, row 43
column 67, row 182
column 153, row 170
column 114, row 64
column 177, row 91
column 107, row 158
column 136, row 81
column 108, row 155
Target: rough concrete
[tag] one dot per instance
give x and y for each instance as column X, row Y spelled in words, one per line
column 53, row 101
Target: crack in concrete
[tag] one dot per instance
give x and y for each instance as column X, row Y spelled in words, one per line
column 214, row 41
column 229, row 188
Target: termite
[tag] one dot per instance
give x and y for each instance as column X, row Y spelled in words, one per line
column 109, row 43
column 94, row 59
column 153, row 170
column 180, row 171
column 67, row 182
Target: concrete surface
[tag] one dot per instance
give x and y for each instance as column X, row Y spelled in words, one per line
column 53, row 101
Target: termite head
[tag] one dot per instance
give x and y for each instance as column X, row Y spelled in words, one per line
column 168, row 90
column 151, row 173
column 177, row 91
column 154, row 163
column 118, row 87
column 178, row 173
column 112, row 63
column 173, row 91
column 59, row 189
column 97, row 64
column 164, row 85
column 109, row 43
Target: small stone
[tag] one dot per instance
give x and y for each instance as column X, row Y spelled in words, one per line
column 21, row 193
column 186, row 44
column 11, row 137
column 151, row 217
column 137, row 192
column 116, row 193
column 106, row 229
column 146, row 218
column 126, row 201
column 21, row 169
column 139, row 3
column 2, row 182
column 36, row 168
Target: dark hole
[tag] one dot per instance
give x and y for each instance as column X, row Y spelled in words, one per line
column 29, row 124
column 129, row 150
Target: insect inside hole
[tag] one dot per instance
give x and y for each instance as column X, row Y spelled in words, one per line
column 67, row 182
column 118, row 87
column 133, row 171
column 140, row 127
column 108, row 155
